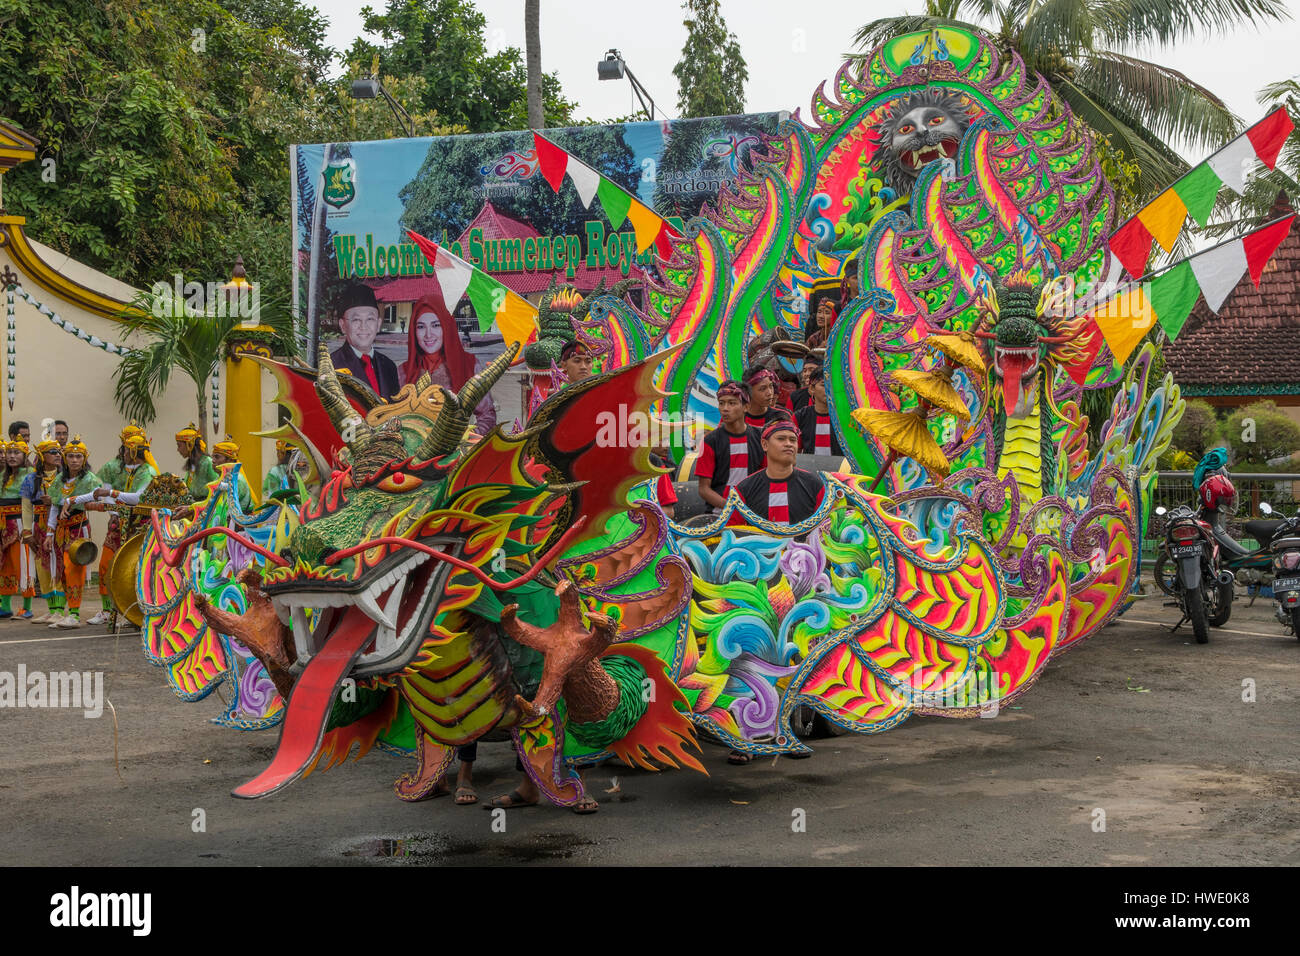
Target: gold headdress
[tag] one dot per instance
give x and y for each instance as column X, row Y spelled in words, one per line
column 228, row 448
column 188, row 436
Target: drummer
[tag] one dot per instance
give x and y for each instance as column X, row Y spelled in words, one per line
column 72, row 525
column 133, row 469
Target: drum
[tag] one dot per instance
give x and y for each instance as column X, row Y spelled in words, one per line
column 83, row 551
column 121, row 580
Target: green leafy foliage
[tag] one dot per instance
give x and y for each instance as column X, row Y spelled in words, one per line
column 168, row 335
column 169, row 123
column 1198, row 430
column 443, row 42
column 711, row 73
column 1259, row 433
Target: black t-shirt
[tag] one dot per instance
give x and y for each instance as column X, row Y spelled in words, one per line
column 814, row 430
column 725, row 458
column 789, row 501
column 799, row 398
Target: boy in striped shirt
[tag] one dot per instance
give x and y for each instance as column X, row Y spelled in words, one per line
column 731, row 451
column 780, row 492
column 816, row 435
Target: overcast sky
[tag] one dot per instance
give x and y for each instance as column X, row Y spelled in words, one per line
column 789, row 54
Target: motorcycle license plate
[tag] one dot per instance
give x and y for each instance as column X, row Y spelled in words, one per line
column 1286, row 584
column 1185, row 550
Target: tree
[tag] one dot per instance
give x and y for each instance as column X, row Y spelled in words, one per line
column 443, row 42
column 1085, row 49
column 450, row 189
column 711, row 74
column 166, row 334
column 1198, row 430
column 1260, row 433
column 533, row 46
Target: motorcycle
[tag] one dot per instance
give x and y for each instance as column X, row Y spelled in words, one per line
column 1276, row 562
column 1285, row 553
column 1203, row 591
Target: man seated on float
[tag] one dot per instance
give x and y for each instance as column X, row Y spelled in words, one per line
column 576, row 361
column 761, row 410
column 780, row 492
column 814, row 421
column 731, row 451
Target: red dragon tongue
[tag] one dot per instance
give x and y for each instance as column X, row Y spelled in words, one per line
column 309, row 707
column 1013, row 366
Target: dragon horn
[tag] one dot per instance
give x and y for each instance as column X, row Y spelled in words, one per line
column 449, row 428
column 347, row 420
column 323, row 469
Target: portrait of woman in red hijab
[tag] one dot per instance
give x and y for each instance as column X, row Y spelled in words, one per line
column 433, row 346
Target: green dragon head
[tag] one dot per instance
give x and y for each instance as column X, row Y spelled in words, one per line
column 1029, row 329
column 400, row 490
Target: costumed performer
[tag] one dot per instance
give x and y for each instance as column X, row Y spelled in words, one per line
column 197, row 470
column 132, row 470
column 732, row 451
column 814, row 421
column 71, row 523
column 780, row 492
column 225, row 453
column 38, row 489
column 17, row 570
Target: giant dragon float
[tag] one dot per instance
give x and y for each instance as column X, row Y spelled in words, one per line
column 521, row 586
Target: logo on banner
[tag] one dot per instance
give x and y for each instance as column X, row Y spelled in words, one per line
column 340, row 183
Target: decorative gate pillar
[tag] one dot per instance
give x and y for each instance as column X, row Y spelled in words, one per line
column 243, row 410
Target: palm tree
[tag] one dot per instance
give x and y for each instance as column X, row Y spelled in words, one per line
column 1078, row 45
column 179, row 338
column 533, row 48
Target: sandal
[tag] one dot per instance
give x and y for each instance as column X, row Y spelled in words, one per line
column 738, row 758
column 515, row 799
column 466, row 795
column 587, row 804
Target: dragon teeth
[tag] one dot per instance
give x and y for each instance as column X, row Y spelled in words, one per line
column 368, row 604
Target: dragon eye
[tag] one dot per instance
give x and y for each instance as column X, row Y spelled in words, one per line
column 907, row 128
column 399, row 482
column 936, row 120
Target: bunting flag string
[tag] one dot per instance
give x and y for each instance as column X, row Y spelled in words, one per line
column 619, row 205
column 514, row 316
column 1194, row 194
column 1167, row 298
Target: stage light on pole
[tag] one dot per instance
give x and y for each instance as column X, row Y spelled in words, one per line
column 613, row 67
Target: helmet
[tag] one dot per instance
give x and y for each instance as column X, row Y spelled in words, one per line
column 1218, row 494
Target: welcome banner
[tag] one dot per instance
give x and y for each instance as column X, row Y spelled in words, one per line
column 486, row 200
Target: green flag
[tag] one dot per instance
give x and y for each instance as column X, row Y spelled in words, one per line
column 1172, row 296
column 614, row 201
column 1198, row 190
column 488, row 296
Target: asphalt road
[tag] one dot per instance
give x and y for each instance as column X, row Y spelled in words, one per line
column 1139, row 724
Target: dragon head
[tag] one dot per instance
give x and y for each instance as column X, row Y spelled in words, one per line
column 395, row 493
column 1030, row 326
